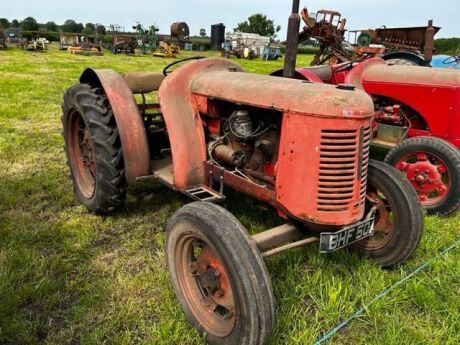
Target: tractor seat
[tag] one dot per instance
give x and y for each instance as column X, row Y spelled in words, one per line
column 143, row 82
column 322, row 72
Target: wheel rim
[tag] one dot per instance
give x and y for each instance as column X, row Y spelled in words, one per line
column 206, row 285
column 428, row 174
column 82, row 154
column 384, row 225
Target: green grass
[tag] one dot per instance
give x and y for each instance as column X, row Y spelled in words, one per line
column 69, row 277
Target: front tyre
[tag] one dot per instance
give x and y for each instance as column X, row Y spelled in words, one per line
column 432, row 166
column 219, row 276
column 93, row 149
column 398, row 223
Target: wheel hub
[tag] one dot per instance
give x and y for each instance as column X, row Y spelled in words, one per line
column 82, row 155
column 384, row 227
column 428, row 175
column 206, row 285
column 215, row 283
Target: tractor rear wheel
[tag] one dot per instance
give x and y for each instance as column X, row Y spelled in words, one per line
column 432, row 166
column 219, row 276
column 93, row 149
column 398, row 225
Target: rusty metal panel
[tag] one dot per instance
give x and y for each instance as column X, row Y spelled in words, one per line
column 294, row 96
column 322, row 169
column 129, row 122
column 185, row 128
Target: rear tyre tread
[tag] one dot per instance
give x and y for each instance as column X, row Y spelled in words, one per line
column 111, row 185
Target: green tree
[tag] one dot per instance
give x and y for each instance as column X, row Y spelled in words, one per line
column 15, row 23
column 51, row 26
column 4, row 23
column 101, row 29
column 449, row 46
column 29, row 24
column 203, row 32
column 89, row 29
column 259, row 24
column 71, row 26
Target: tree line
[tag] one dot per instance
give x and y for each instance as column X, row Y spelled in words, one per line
column 70, row 25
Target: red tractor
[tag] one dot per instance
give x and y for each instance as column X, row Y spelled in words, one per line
column 302, row 148
column 417, row 118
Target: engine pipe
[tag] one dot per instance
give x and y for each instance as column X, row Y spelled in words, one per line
column 292, row 41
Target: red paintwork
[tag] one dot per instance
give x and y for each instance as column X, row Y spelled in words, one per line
column 129, row 123
column 432, row 93
column 430, row 178
column 307, row 110
column 185, row 128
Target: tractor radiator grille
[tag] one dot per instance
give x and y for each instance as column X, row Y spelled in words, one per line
column 344, row 157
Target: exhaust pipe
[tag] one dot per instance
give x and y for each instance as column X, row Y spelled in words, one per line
column 292, row 41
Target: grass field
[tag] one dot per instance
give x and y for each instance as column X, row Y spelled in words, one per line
column 69, row 277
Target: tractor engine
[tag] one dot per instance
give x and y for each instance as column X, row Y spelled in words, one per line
column 248, row 144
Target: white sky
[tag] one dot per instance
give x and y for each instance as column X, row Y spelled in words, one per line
column 360, row 14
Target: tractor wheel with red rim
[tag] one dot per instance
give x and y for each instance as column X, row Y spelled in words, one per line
column 432, row 166
column 219, row 276
column 93, row 149
column 398, row 225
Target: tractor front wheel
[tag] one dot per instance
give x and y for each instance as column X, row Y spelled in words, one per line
column 219, row 276
column 93, row 149
column 398, row 225
column 432, row 166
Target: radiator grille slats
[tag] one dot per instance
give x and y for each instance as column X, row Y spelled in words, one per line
column 344, row 158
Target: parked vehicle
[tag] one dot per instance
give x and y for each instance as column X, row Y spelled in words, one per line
column 302, row 148
column 417, row 117
column 446, row 61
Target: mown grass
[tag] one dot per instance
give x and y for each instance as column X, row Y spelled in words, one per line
column 69, row 277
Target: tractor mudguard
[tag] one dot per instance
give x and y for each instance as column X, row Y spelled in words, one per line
column 129, row 122
column 185, row 128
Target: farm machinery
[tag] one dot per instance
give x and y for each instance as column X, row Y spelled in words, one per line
column 123, row 44
column 147, row 40
column 302, row 148
column 417, row 118
column 400, row 45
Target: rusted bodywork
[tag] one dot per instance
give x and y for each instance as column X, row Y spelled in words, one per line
column 318, row 123
column 130, row 125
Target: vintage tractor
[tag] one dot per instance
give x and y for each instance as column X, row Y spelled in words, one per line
column 417, row 118
column 302, row 148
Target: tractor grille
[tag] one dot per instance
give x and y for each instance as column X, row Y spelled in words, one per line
column 344, row 157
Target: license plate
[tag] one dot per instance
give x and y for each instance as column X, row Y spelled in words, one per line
column 332, row 241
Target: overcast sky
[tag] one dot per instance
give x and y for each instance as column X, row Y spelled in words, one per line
column 360, row 14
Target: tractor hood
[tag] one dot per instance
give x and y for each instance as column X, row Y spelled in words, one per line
column 285, row 95
column 378, row 71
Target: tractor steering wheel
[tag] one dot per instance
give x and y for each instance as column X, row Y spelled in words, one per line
column 344, row 66
column 167, row 70
column 451, row 60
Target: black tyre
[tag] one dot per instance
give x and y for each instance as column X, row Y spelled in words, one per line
column 432, row 166
column 93, row 149
column 398, row 223
column 219, row 276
